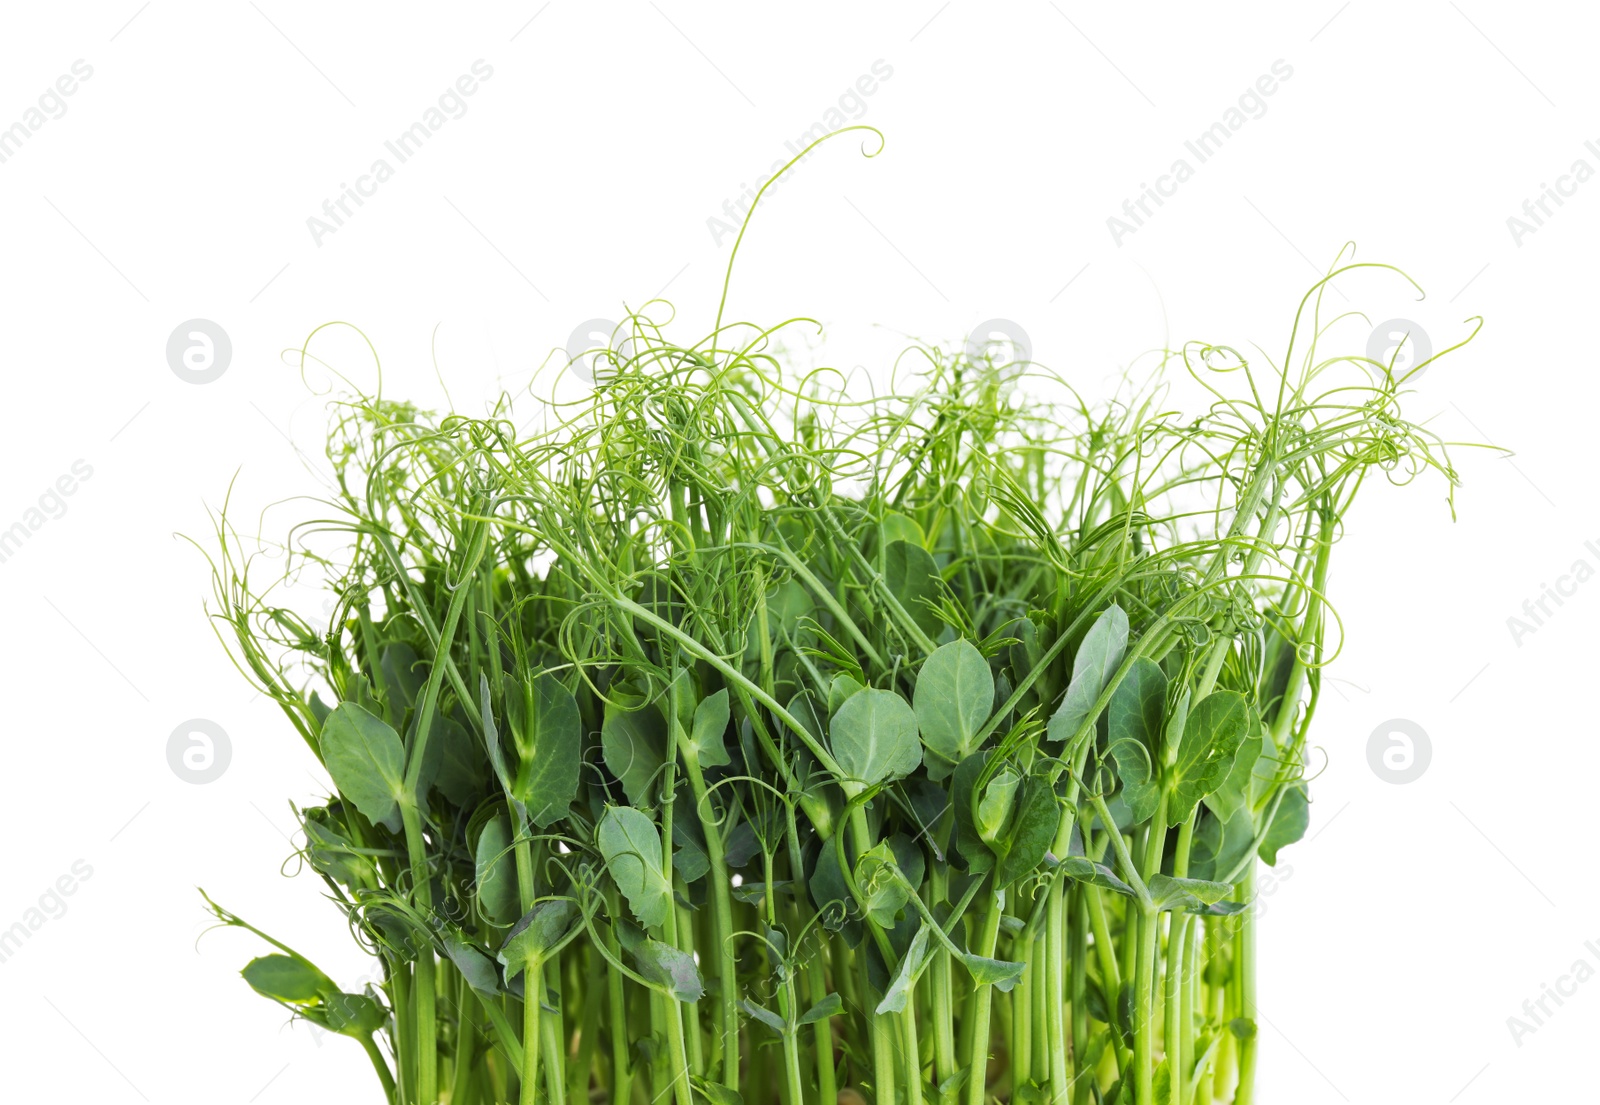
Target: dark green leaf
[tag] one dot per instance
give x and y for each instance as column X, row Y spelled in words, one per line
column 1211, row 737
column 689, row 858
column 1220, row 845
column 353, row 1015
column 634, row 744
column 491, row 736
column 476, row 967
column 1290, row 824
column 399, row 664
column 1134, row 729
column 460, row 775
column 831, row 896
column 913, row 578
column 532, row 938
column 547, row 771
column 1033, row 829
column 974, row 852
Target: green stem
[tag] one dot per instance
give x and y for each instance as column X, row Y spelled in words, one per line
column 466, row 1039
column 944, row 1040
column 531, row 985
column 616, row 1000
column 1178, row 930
column 1143, row 1012
column 978, row 1005
column 378, row 1064
column 1245, row 968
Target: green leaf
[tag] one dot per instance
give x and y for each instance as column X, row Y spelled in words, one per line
column 550, row 752
column 963, row 783
column 353, row 1015
column 286, row 978
column 1097, row 659
column 1220, row 845
column 830, row 1006
column 367, row 762
column 1033, row 830
column 398, row 663
column 1095, row 874
column 899, row 527
column 496, row 870
column 913, row 578
column 765, row 1016
column 882, row 893
column 1290, row 824
column 532, row 938
column 954, row 696
column 715, row 1093
column 831, row 896
column 1211, row 737
column 909, row 858
column 1133, row 725
column 631, row 844
column 874, row 736
column 331, row 851
column 993, row 815
column 477, row 968
column 634, row 745
column 667, row 966
column 690, row 858
column 491, row 736
column 1229, row 798
column 840, row 689
column 710, row 725
column 460, row 775
column 1195, row 895
column 999, row 973
column 894, row 998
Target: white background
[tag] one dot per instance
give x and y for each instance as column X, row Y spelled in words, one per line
column 177, row 185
